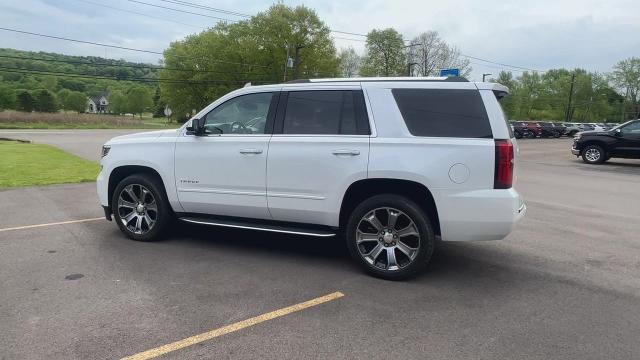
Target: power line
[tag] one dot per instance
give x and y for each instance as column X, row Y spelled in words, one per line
column 81, row 41
column 139, row 13
column 502, row 64
column 102, row 77
column 344, row 38
column 205, row 7
column 76, row 62
column 118, row 47
column 182, row 11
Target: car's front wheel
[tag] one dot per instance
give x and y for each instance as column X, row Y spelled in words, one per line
column 390, row 236
column 140, row 207
column 593, row 154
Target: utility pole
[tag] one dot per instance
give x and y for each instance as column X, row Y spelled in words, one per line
column 409, row 63
column 484, row 76
column 586, row 116
column 296, row 61
column 286, row 64
column 568, row 114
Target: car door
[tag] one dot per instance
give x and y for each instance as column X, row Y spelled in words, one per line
column 320, row 146
column 224, row 171
column 628, row 144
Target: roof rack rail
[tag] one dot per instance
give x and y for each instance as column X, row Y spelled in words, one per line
column 380, row 79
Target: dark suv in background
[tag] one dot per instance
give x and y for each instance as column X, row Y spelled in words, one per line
column 596, row 147
column 547, row 129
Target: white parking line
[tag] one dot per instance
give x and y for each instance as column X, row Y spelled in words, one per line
column 50, row 224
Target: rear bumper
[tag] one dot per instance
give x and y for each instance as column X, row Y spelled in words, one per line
column 479, row 214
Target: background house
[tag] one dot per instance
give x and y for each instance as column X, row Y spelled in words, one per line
column 98, row 104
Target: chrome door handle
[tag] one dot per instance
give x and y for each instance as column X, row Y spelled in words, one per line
column 346, row 152
column 250, row 151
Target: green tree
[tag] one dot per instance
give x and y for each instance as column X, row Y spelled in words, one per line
column 75, row 101
column 7, row 98
column 626, row 77
column 385, row 55
column 45, row 101
column 62, row 96
column 227, row 56
column 117, row 102
column 350, row 62
column 139, row 100
column 25, row 101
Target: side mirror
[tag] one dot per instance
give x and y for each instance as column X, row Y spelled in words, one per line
column 618, row 132
column 196, row 128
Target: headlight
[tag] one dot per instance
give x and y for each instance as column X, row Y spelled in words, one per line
column 105, row 150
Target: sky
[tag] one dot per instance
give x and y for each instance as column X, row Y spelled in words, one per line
column 541, row 34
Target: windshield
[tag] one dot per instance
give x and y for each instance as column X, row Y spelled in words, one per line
column 623, row 124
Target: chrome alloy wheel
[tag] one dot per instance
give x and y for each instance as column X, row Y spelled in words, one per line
column 137, row 208
column 388, row 239
column 592, row 154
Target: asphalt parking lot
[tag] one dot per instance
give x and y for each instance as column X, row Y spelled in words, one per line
column 565, row 284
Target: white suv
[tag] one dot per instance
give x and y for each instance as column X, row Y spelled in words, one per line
column 391, row 164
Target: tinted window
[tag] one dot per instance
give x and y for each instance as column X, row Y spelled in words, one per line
column 632, row 128
column 246, row 114
column 325, row 112
column 443, row 113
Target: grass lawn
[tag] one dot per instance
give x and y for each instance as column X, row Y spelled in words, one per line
column 24, row 164
column 67, row 120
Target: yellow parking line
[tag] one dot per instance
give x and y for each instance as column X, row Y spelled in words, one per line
column 149, row 354
column 50, row 224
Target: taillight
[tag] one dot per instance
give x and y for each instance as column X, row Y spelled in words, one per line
column 503, row 178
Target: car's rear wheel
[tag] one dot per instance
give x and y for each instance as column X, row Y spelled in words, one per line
column 140, row 207
column 593, row 154
column 390, row 236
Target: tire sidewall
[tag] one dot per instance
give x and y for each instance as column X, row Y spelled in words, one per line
column 164, row 211
column 425, row 229
column 600, row 160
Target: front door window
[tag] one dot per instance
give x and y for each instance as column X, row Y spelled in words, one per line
column 246, row 114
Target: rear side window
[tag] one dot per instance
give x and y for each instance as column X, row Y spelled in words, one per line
column 443, row 112
column 325, row 112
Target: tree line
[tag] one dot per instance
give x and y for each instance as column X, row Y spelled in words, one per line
column 286, row 43
column 36, row 85
column 574, row 95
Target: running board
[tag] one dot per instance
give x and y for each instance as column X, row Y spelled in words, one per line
column 295, row 230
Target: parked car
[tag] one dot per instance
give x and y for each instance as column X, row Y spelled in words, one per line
column 548, row 130
column 599, row 127
column 560, row 127
column 571, row 129
column 534, row 128
column 419, row 158
column 521, row 130
column 596, row 147
column 586, row 127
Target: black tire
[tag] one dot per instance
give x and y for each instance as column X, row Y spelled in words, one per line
column 588, row 154
column 412, row 212
column 556, row 134
column 530, row 135
column 517, row 134
column 164, row 213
